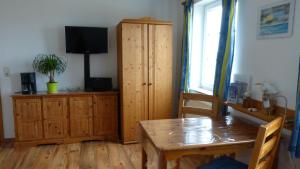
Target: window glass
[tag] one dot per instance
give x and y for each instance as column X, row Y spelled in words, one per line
column 205, row 42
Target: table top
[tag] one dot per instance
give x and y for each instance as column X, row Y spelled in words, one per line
column 188, row 133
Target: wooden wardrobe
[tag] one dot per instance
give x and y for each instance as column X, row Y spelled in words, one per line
column 145, row 62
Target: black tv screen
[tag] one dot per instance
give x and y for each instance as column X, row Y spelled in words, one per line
column 86, row 39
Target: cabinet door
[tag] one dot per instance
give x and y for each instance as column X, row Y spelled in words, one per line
column 81, row 116
column 160, row 71
column 55, row 113
column 105, row 115
column 28, row 118
column 133, row 62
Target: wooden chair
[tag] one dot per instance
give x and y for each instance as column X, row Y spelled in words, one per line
column 206, row 105
column 264, row 151
column 203, row 105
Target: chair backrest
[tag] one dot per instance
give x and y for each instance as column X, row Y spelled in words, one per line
column 206, row 105
column 266, row 144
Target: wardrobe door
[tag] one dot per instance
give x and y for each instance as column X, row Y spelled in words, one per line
column 133, row 61
column 160, row 71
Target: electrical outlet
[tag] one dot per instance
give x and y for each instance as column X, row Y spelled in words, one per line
column 6, row 71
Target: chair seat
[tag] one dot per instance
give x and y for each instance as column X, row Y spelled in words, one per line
column 224, row 163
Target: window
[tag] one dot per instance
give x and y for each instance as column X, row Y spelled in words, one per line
column 205, row 43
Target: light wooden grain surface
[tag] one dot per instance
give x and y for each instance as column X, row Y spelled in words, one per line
column 165, row 142
column 204, row 105
column 88, row 155
column 265, row 149
column 191, row 133
column 62, row 93
column 28, row 119
column 160, row 71
column 46, row 119
column 133, row 67
column 147, row 21
column 145, row 61
column 81, row 116
column 55, row 116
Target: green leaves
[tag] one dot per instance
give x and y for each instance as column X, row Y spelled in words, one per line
column 49, row 64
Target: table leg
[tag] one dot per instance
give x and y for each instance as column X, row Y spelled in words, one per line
column 276, row 158
column 163, row 163
column 232, row 155
column 144, row 159
column 177, row 164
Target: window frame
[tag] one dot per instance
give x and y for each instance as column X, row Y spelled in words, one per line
column 205, row 8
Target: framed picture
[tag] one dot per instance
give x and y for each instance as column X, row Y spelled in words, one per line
column 276, row 20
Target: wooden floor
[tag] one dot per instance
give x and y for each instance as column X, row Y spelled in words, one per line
column 87, row 155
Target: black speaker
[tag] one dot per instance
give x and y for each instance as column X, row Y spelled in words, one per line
column 28, row 83
column 99, row 84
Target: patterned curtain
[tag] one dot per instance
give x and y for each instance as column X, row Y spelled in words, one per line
column 295, row 138
column 225, row 52
column 186, row 44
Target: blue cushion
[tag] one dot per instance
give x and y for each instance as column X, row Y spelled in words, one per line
column 224, row 163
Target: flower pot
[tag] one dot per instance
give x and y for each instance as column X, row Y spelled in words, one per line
column 52, row 87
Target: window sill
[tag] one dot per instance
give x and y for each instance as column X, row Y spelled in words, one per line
column 200, row 90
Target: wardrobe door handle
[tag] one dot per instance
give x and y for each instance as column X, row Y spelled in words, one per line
column 144, row 84
column 150, row 84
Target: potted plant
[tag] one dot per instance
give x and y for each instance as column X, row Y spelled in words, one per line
column 50, row 64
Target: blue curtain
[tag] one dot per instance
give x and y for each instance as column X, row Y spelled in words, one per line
column 186, row 43
column 225, row 51
column 295, row 138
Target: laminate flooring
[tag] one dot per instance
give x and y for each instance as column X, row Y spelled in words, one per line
column 86, row 155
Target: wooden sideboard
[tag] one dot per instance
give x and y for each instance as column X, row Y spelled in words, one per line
column 65, row 117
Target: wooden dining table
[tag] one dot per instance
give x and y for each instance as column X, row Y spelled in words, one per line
column 164, row 142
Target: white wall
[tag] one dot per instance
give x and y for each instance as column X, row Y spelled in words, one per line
column 176, row 14
column 271, row 60
column 30, row 27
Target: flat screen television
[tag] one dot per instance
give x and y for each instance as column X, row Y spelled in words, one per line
column 86, row 40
